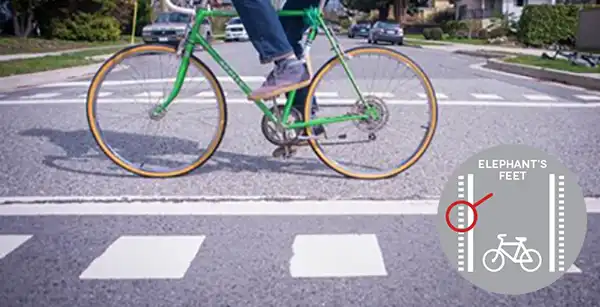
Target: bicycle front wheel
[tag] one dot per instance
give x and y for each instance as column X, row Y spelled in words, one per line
column 407, row 113
column 171, row 144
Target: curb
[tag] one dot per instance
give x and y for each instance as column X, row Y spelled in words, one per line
column 485, row 54
column 548, row 74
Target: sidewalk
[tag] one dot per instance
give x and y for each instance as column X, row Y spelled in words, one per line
column 454, row 47
column 20, row 56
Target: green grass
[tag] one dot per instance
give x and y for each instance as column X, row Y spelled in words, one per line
column 446, row 39
column 13, row 45
column 24, row 66
column 557, row 64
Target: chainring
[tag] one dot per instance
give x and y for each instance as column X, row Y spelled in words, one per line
column 275, row 133
column 371, row 125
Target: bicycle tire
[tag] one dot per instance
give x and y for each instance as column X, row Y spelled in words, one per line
column 423, row 146
column 105, row 148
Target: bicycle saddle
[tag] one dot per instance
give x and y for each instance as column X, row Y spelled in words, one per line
column 500, row 236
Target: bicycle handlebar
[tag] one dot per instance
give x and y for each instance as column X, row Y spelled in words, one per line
column 203, row 3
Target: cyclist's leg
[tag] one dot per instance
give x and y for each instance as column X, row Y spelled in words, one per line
column 294, row 27
column 270, row 41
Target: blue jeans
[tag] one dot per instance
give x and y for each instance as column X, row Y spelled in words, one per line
column 276, row 37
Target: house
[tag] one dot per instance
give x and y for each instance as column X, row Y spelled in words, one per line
column 485, row 9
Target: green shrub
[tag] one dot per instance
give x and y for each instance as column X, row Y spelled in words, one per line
column 427, row 33
column 437, row 34
column 542, row 25
column 345, row 23
column 87, row 27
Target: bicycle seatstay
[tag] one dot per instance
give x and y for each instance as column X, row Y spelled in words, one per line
column 315, row 20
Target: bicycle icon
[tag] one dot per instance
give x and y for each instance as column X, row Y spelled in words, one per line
column 524, row 259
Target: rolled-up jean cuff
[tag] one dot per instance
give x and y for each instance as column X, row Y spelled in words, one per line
column 275, row 58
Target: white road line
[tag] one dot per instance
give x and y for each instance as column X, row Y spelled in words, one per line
column 438, row 95
column 41, row 96
column 149, row 94
column 248, row 79
column 208, row 94
column 145, row 257
column 511, row 104
column 486, row 96
column 539, row 97
column 9, row 243
column 381, row 94
column 101, row 94
column 326, row 94
column 229, row 208
column 588, row 97
column 328, row 256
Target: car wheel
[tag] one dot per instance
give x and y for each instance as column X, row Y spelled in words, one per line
column 369, row 41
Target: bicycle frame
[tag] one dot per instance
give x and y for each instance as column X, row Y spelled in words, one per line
column 520, row 246
column 315, row 21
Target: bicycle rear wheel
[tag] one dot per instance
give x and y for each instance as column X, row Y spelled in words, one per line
column 422, row 116
column 167, row 145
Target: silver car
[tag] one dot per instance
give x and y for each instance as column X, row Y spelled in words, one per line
column 169, row 28
column 383, row 31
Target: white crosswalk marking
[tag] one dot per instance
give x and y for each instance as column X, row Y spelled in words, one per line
column 486, row 96
column 438, row 95
column 145, row 257
column 380, row 94
column 588, row 97
column 149, row 94
column 539, row 97
column 9, row 243
column 339, row 255
column 209, row 94
column 101, row 94
column 326, row 94
column 41, row 95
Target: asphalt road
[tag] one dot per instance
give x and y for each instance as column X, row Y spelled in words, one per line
column 47, row 151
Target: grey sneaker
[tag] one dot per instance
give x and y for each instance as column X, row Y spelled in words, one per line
column 288, row 76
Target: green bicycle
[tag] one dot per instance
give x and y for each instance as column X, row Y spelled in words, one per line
column 283, row 125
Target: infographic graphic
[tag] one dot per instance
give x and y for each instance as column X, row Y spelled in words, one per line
column 512, row 219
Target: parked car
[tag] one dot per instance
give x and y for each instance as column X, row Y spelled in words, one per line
column 235, row 30
column 360, row 29
column 385, row 31
column 169, row 28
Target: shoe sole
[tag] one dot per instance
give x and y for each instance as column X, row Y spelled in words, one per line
column 280, row 91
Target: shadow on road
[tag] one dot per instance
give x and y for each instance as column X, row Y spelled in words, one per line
column 80, row 146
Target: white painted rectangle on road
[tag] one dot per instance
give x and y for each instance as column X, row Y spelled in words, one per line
column 486, row 96
column 101, row 94
column 380, row 94
column 437, row 95
column 209, row 94
column 41, row 96
column 145, row 257
column 9, row 243
column 336, row 255
column 180, row 207
column 326, row 94
column 588, row 97
column 539, row 97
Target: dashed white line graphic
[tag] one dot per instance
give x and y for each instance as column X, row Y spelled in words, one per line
column 539, row 97
column 461, row 224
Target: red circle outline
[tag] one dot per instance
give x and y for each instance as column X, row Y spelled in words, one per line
column 461, row 202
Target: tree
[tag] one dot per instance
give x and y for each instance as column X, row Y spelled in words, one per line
column 23, row 13
column 383, row 6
